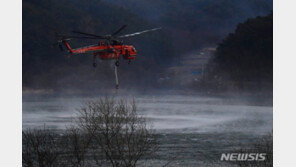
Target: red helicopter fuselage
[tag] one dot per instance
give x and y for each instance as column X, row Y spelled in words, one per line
column 105, row 51
column 110, row 48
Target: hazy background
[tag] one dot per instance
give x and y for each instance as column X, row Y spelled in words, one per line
column 205, row 46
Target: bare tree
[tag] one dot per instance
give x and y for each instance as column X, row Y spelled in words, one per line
column 75, row 145
column 107, row 132
column 117, row 130
column 40, row 148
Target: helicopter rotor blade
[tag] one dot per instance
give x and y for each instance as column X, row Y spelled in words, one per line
column 83, row 33
column 119, row 30
column 77, row 37
column 138, row 33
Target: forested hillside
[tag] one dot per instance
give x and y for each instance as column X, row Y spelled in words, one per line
column 244, row 59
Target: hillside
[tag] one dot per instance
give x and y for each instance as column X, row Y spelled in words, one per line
column 244, row 59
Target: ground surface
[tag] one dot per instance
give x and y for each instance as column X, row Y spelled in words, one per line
column 192, row 129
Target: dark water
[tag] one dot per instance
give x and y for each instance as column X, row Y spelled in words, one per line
column 192, row 130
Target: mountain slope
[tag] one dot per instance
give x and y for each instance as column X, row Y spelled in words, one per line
column 244, row 59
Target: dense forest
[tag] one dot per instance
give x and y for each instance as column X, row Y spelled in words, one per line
column 244, row 59
column 186, row 26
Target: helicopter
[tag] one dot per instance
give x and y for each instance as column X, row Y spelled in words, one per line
column 110, row 47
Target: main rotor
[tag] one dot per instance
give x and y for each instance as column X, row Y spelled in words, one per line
column 110, row 37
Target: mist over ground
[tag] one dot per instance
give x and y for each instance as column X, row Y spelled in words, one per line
column 191, row 130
